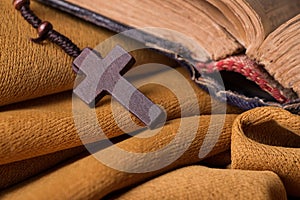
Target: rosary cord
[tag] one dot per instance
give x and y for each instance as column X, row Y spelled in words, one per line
column 65, row 43
column 45, row 29
column 30, row 17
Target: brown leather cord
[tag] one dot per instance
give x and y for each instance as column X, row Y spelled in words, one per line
column 45, row 29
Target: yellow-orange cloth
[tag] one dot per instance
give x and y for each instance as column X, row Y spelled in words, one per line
column 269, row 139
column 41, row 153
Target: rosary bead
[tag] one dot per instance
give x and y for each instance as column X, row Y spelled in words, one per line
column 18, row 4
column 44, row 28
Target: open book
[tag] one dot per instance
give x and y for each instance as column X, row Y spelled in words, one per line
column 259, row 39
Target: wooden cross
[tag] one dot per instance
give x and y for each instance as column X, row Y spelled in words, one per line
column 103, row 76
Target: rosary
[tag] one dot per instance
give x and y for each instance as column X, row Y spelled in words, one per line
column 100, row 73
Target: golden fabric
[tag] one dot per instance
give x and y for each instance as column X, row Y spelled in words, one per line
column 41, row 153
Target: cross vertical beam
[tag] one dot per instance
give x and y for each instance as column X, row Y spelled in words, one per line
column 103, row 75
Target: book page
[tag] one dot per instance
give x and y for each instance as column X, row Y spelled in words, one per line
column 258, row 18
column 177, row 16
column 279, row 53
column 273, row 13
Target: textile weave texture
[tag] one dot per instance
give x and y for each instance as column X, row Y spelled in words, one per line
column 256, row 155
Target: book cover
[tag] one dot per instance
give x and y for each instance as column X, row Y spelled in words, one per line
column 253, row 44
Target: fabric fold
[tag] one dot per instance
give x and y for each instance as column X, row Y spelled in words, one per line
column 29, row 70
column 47, row 125
column 88, row 178
column 41, row 149
column 197, row 182
column 268, row 139
column 16, row 172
